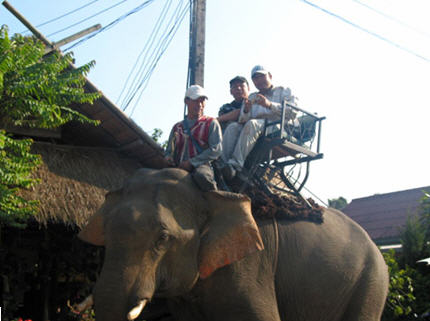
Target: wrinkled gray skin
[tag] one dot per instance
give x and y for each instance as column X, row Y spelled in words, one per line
column 161, row 233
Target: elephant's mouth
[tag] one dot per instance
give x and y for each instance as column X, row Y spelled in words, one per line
column 161, row 289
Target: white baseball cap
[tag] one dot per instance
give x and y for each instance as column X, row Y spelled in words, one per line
column 195, row 91
column 258, row 70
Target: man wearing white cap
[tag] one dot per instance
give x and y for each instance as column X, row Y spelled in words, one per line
column 264, row 104
column 196, row 141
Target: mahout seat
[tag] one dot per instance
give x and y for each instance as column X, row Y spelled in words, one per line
column 276, row 162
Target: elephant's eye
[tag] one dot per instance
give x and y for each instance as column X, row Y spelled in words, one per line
column 162, row 239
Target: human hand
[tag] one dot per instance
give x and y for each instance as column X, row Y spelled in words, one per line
column 169, row 160
column 262, row 101
column 248, row 105
column 186, row 165
column 290, row 113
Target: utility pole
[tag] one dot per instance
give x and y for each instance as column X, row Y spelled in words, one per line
column 196, row 63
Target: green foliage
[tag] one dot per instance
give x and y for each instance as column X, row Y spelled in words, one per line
column 36, row 91
column 338, row 203
column 425, row 214
column 409, row 282
column 401, row 292
column 16, row 166
column 413, row 239
column 156, row 135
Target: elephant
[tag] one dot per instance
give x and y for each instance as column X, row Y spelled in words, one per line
column 206, row 254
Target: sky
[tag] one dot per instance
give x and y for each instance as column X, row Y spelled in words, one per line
column 365, row 65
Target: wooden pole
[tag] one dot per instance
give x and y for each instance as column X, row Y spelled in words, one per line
column 26, row 23
column 49, row 45
column 80, row 34
column 196, row 62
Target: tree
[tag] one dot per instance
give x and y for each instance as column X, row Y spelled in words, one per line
column 400, row 295
column 36, row 91
column 413, row 239
column 410, row 281
column 156, row 135
column 425, row 214
column 338, row 203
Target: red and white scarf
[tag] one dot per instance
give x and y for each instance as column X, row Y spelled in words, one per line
column 200, row 133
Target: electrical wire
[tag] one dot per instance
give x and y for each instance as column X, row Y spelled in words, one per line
column 153, row 54
column 148, row 51
column 146, row 65
column 367, row 31
column 110, row 25
column 392, row 18
column 145, row 83
column 86, row 19
column 148, row 43
column 146, row 48
column 64, row 15
column 166, row 42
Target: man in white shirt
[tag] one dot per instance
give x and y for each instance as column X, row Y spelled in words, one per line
column 239, row 138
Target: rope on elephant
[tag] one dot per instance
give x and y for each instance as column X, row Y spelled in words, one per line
column 282, row 206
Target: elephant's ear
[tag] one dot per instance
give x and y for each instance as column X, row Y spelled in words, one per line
column 93, row 232
column 232, row 232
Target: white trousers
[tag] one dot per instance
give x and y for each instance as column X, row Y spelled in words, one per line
column 238, row 141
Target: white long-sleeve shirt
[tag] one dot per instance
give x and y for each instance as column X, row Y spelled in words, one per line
column 276, row 95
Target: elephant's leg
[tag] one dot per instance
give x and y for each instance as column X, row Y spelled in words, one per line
column 226, row 307
column 368, row 299
column 243, row 291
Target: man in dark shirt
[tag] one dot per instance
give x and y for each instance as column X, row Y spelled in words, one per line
column 239, row 89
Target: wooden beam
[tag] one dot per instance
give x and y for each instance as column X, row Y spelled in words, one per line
column 35, row 132
column 49, row 45
column 132, row 145
column 26, row 23
column 80, row 34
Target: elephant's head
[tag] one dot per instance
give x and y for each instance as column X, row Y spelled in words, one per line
column 161, row 234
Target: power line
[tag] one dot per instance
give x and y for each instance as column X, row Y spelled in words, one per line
column 165, row 44
column 392, row 18
column 86, row 19
column 367, row 31
column 150, row 52
column 163, row 47
column 64, row 15
column 146, row 64
column 145, row 50
column 113, row 23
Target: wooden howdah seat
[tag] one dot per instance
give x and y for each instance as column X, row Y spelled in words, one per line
column 276, row 160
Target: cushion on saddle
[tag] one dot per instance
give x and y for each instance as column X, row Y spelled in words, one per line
column 283, row 206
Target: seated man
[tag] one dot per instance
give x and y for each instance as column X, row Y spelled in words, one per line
column 264, row 104
column 228, row 113
column 195, row 141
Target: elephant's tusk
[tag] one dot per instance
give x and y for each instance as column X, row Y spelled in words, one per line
column 79, row 307
column 135, row 312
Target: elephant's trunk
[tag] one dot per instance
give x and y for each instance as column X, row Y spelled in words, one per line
column 122, row 289
column 118, row 307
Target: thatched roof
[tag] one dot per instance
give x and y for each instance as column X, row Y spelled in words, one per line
column 116, row 130
column 84, row 161
column 75, row 180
